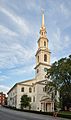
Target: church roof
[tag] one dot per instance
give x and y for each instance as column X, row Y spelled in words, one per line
column 42, row 82
column 20, row 83
column 27, row 81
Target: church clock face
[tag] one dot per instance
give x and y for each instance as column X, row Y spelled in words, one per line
column 45, row 69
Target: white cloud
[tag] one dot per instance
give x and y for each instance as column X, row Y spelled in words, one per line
column 53, row 59
column 3, row 77
column 4, row 88
column 56, row 40
column 18, row 71
column 65, row 10
column 5, row 31
column 32, row 5
column 22, row 70
column 21, row 23
column 59, row 41
column 13, row 54
column 66, row 41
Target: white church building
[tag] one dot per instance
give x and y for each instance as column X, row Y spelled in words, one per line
column 35, row 88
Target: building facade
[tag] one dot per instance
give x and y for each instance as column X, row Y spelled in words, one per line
column 2, row 98
column 35, row 88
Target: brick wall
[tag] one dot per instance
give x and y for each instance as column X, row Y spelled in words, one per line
column 2, row 98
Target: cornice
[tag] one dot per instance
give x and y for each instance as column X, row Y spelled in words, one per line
column 40, row 49
column 42, row 64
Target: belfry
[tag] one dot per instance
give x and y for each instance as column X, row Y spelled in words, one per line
column 42, row 54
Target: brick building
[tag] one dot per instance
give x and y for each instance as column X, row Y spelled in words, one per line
column 2, row 98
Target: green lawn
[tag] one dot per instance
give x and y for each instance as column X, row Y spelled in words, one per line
column 65, row 112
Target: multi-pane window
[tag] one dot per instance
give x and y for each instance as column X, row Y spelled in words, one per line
column 22, row 89
column 45, row 58
column 30, row 90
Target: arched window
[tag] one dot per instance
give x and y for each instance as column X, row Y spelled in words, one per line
column 38, row 58
column 22, row 89
column 30, row 90
column 44, row 43
column 45, row 58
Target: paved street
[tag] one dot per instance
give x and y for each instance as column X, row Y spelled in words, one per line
column 7, row 114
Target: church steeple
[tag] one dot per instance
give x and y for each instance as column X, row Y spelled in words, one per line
column 43, row 53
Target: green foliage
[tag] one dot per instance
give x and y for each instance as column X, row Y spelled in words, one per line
column 25, row 101
column 60, row 74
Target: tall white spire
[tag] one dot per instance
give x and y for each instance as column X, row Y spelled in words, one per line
column 43, row 29
column 43, row 19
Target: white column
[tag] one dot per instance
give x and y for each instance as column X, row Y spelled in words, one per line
column 51, row 107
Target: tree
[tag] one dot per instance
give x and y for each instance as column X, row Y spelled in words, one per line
column 60, row 75
column 25, row 101
column 52, row 89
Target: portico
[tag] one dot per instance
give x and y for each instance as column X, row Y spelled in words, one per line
column 47, row 105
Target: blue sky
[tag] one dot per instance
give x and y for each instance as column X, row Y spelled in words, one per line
column 20, row 22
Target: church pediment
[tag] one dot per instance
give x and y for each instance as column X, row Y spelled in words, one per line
column 46, row 99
